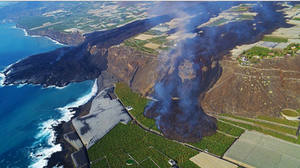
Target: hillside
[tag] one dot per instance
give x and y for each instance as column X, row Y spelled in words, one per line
column 262, row 89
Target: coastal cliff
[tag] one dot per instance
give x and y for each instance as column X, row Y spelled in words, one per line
column 72, row 39
column 102, row 51
column 133, row 67
column 75, row 64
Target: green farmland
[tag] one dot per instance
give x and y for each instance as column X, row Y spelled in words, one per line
column 137, row 102
column 145, row 148
column 276, row 127
column 255, row 54
column 275, row 39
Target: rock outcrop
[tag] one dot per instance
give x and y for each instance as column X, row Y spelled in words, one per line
column 133, row 67
column 72, row 39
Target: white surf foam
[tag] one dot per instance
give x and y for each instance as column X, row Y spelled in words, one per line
column 20, row 85
column 54, row 41
column 2, row 78
column 53, row 86
column 39, row 158
column 26, row 34
column 67, row 115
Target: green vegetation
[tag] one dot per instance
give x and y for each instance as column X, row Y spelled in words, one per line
column 275, row 134
column 239, row 118
column 139, row 45
column 246, row 126
column 239, row 9
column 101, row 163
column 229, row 129
column 218, row 22
column 246, row 16
column 150, row 152
column 145, row 121
column 148, row 163
column 153, row 32
column 147, row 148
column 129, row 98
column 277, row 128
column 216, row 144
column 154, row 127
column 159, row 40
column 297, row 6
column 125, row 140
column 279, row 120
column 284, row 130
column 31, row 22
column 275, row 39
column 271, row 129
column 189, row 164
column 296, row 19
column 260, row 51
column 292, row 48
column 256, row 53
column 85, row 16
column 137, row 102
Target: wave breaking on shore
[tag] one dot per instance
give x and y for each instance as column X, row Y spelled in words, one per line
column 41, row 153
column 26, row 34
column 2, row 78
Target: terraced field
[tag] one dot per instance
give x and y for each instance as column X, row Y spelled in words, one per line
column 276, row 127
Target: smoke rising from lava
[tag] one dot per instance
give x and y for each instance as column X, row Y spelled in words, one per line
column 192, row 67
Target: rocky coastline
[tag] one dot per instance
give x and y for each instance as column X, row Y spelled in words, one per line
column 72, row 39
column 75, row 63
column 89, row 58
column 63, row 157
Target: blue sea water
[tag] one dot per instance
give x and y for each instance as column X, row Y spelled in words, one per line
column 28, row 112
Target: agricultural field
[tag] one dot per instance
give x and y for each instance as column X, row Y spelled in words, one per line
column 255, row 54
column 296, row 19
column 216, row 144
column 243, row 17
column 137, row 102
column 229, row 129
column 101, row 163
column 144, row 42
column 239, row 118
column 219, row 142
column 239, row 9
column 275, row 39
column 139, row 45
column 129, row 141
column 279, row 120
column 218, row 22
column 86, row 16
column 269, row 126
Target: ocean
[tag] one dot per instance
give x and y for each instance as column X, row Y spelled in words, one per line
column 28, row 112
